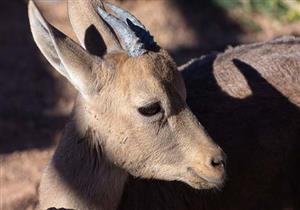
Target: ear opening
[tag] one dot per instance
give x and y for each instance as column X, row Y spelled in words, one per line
column 94, row 42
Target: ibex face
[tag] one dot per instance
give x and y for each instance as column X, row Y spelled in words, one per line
column 133, row 100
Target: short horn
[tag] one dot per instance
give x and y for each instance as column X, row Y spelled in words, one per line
column 134, row 24
column 131, row 42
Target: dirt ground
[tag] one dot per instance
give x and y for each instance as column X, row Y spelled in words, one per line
column 35, row 102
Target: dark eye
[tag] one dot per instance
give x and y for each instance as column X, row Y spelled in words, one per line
column 150, row 110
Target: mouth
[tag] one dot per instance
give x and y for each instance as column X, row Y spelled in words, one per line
column 203, row 182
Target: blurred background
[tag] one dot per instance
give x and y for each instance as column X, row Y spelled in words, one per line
column 35, row 102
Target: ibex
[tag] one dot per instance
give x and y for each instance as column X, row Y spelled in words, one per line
column 130, row 116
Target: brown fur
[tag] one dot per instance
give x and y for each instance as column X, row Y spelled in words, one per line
column 108, row 138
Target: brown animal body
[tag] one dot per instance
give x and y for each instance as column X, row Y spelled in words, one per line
column 247, row 98
column 130, row 116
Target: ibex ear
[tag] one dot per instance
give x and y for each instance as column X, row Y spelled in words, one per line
column 66, row 56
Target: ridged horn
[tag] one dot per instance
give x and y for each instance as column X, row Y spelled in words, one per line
column 135, row 25
column 131, row 42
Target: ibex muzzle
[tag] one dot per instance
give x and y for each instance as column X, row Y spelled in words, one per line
column 131, row 100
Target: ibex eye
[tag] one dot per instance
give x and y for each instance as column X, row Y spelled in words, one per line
column 150, row 110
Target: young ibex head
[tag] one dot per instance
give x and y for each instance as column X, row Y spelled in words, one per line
column 131, row 96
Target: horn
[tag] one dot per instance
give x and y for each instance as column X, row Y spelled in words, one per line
column 131, row 42
column 124, row 15
column 135, row 25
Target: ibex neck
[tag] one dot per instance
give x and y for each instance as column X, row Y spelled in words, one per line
column 96, row 182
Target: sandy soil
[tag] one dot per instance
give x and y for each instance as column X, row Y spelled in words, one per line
column 35, row 102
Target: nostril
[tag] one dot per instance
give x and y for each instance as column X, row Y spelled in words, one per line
column 217, row 162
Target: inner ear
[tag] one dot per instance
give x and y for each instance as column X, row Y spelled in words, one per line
column 94, row 42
